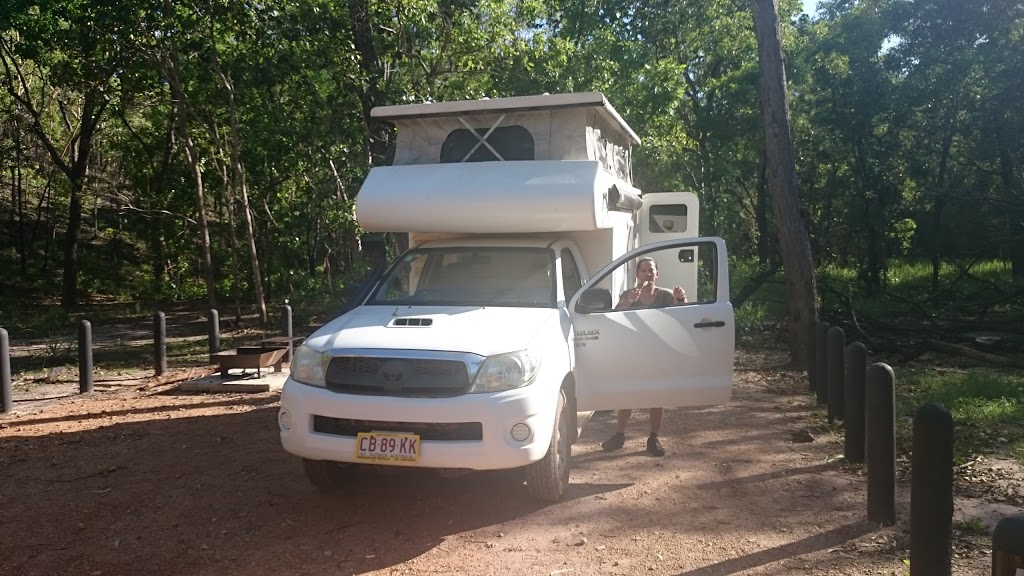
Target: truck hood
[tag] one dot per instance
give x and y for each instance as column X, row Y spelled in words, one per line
column 477, row 330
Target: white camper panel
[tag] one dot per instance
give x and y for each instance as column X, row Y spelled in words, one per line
column 671, row 216
column 488, row 197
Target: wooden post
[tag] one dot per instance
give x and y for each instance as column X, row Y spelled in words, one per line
column 159, row 343
column 931, row 492
column 880, row 440
column 6, row 391
column 856, row 364
column 84, row 357
column 835, row 342
column 821, row 363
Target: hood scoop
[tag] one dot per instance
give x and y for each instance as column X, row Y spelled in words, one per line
column 412, row 322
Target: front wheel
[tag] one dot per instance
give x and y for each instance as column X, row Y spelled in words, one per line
column 547, row 478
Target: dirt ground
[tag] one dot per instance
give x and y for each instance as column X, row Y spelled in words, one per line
column 140, row 478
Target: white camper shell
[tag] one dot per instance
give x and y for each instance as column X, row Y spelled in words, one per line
column 486, row 344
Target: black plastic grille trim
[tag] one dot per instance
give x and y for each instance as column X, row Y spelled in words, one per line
column 453, row 431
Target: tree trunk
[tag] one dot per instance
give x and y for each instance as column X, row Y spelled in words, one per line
column 192, row 156
column 1013, row 191
column 243, row 190
column 940, row 201
column 794, row 244
column 763, row 235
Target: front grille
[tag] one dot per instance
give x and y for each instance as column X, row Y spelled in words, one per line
column 425, row 430
column 398, row 377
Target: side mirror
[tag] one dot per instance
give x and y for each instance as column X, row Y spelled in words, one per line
column 594, row 300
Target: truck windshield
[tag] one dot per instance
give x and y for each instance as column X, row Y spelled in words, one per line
column 471, row 277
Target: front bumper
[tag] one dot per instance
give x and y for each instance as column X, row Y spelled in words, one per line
column 497, row 413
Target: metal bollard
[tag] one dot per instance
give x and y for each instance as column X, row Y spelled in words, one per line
column 931, row 492
column 84, row 357
column 286, row 328
column 880, row 443
column 213, row 328
column 812, row 355
column 856, row 364
column 835, row 342
column 821, row 363
column 160, row 343
column 1008, row 546
column 6, row 390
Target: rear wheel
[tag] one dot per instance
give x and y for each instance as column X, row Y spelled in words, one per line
column 547, row 478
column 324, row 474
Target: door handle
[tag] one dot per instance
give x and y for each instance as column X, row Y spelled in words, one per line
column 709, row 324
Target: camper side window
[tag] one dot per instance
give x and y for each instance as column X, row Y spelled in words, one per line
column 508, row 142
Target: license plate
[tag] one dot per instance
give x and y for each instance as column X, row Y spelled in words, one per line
column 387, row 447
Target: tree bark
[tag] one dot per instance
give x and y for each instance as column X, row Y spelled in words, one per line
column 794, row 243
column 940, row 200
column 192, row 156
column 239, row 170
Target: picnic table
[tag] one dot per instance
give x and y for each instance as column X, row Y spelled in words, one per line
column 273, row 351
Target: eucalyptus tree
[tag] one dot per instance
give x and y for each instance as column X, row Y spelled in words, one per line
column 63, row 63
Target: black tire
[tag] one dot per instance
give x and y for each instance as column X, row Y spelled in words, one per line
column 324, row 474
column 547, row 478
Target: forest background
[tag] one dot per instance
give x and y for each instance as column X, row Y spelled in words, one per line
column 210, row 151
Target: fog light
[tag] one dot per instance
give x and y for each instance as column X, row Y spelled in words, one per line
column 520, row 432
column 284, row 419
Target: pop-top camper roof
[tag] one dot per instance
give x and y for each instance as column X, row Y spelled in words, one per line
column 554, row 162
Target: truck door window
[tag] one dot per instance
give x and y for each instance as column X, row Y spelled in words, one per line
column 692, row 268
column 571, row 281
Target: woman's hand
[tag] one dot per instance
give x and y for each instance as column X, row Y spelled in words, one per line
column 679, row 294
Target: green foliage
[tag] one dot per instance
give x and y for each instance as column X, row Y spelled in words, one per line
column 908, row 120
column 987, row 406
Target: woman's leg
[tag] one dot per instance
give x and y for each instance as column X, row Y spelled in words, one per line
column 619, row 438
column 653, row 444
column 656, row 414
column 623, row 421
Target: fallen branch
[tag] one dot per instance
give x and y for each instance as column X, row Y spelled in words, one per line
column 959, row 350
column 755, row 283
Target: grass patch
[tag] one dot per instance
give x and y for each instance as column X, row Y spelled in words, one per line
column 987, row 406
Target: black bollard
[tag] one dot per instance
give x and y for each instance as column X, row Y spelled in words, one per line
column 931, row 492
column 213, row 328
column 812, row 355
column 6, row 390
column 84, row 357
column 880, row 440
column 856, row 364
column 821, row 363
column 1008, row 546
column 159, row 343
column 286, row 328
column 835, row 343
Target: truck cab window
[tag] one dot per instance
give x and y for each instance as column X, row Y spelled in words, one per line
column 468, row 276
column 571, row 281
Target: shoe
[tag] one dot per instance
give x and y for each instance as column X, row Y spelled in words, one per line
column 654, row 447
column 614, row 443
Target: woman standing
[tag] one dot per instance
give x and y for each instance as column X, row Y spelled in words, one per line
column 644, row 295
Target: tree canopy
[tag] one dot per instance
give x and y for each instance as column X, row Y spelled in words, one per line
column 212, row 150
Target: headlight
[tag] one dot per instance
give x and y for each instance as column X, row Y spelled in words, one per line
column 506, row 372
column 309, row 366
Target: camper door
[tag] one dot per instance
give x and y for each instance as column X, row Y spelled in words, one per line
column 666, row 353
column 670, row 216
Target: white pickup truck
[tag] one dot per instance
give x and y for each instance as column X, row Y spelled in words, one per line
column 484, row 345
